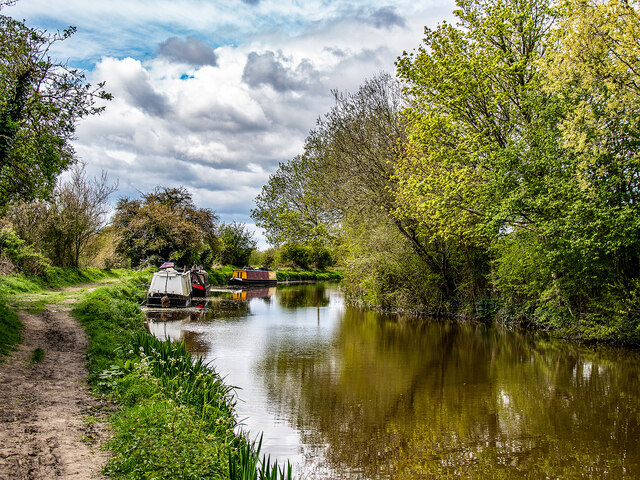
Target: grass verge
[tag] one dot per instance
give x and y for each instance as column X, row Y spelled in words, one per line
column 293, row 275
column 30, row 292
column 176, row 417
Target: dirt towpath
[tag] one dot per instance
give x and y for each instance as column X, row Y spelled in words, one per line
column 46, row 412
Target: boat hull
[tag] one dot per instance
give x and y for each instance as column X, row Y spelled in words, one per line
column 168, row 300
column 244, row 282
column 246, row 277
column 199, row 290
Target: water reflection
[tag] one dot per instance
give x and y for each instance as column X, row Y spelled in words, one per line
column 351, row 394
column 306, row 295
column 248, row 294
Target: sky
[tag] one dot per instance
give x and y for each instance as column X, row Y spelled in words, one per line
column 212, row 95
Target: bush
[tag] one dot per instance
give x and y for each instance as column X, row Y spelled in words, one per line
column 23, row 257
column 300, row 255
column 10, row 326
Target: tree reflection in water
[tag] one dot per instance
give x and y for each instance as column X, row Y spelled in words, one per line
column 403, row 399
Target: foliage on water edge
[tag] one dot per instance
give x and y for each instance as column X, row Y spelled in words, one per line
column 292, row 274
column 177, row 416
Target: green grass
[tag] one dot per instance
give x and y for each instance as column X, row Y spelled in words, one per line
column 10, row 326
column 220, row 275
column 292, row 275
column 37, row 355
column 176, row 416
column 32, row 293
column 56, row 277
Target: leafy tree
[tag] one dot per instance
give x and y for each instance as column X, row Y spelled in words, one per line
column 236, row 244
column 165, row 224
column 485, row 159
column 16, row 254
column 41, row 101
column 291, row 207
column 475, row 101
column 300, row 255
column 62, row 226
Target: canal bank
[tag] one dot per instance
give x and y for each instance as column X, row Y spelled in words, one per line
column 183, row 418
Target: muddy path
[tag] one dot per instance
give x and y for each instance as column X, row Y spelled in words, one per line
column 49, row 422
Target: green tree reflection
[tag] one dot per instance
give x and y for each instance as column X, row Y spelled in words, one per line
column 298, row 296
column 403, row 399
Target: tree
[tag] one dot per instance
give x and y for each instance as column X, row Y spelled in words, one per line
column 485, row 159
column 476, row 104
column 62, row 226
column 41, row 101
column 291, row 208
column 236, row 244
column 165, row 225
column 301, row 256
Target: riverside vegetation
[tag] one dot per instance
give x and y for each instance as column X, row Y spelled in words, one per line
column 176, row 416
column 496, row 176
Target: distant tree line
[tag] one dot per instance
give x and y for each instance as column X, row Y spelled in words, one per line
column 497, row 175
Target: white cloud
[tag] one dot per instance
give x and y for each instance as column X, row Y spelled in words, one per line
column 212, row 95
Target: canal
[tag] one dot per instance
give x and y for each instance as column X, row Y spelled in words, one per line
column 346, row 393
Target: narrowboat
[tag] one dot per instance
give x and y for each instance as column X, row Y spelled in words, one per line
column 253, row 276
column 199, row 281
column 170, row 288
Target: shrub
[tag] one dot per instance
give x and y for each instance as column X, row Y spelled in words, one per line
column 23, row 257
column 300, row 255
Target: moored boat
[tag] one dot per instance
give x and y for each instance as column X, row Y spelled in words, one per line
column 170, row 288
column 199, row 281
column 253, row 276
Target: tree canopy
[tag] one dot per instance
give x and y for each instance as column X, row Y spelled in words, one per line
column 41, row 101
column 165, row 224
column 503, row 177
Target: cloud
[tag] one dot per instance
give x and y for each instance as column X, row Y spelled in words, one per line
column 383, row 17
column 129, row 80
column 267, row 69
column 191, row 51
column 213, row 95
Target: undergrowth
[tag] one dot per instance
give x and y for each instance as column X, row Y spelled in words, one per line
column 10, row 326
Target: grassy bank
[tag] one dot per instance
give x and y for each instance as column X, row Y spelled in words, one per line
column 15, row 286
column 56, row 277
column 295, row 275
column 176, row 417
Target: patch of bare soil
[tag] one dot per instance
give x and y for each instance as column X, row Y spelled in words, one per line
column 46, row 410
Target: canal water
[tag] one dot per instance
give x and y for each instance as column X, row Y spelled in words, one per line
column 345, row 393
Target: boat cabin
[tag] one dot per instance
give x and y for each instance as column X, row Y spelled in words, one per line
column 199, row 281
column 170, row 288
column 253, row 276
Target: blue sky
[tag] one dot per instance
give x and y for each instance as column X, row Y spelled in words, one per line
column 212, row 95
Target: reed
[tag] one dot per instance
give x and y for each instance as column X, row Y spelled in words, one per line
column 177, row 416
column 188, row 380
column 247, row 465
